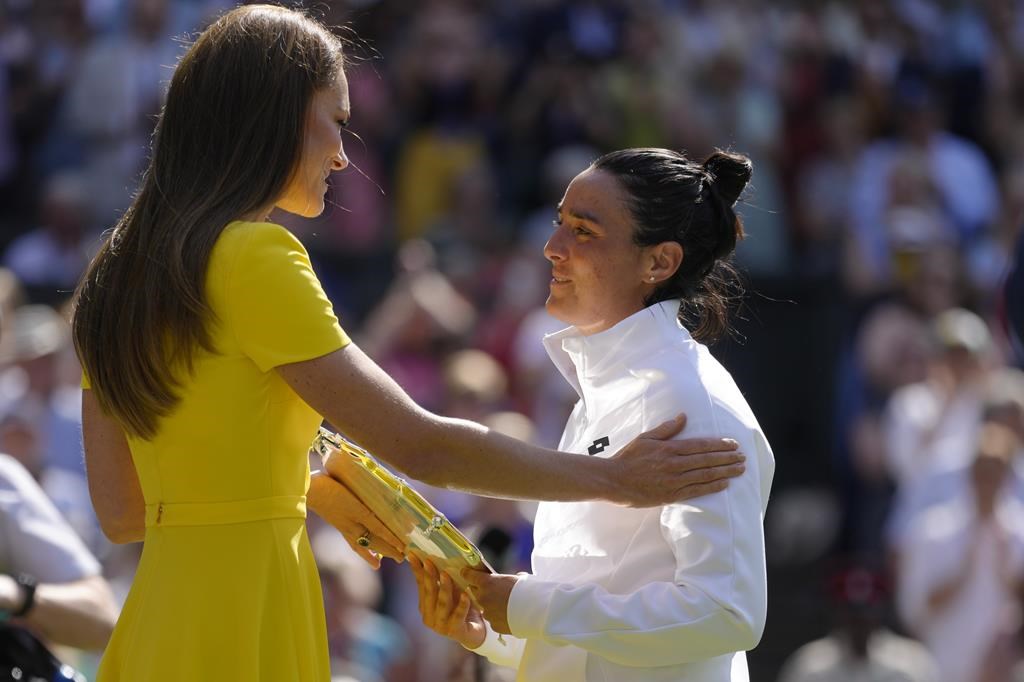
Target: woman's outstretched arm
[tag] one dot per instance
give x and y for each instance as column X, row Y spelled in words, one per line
column 360, row 399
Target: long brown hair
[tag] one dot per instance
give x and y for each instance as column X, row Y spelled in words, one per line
column 226, row 145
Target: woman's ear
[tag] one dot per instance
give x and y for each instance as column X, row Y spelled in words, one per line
column 663, row 260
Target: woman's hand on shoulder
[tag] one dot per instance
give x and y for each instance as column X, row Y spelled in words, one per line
column 653, row 470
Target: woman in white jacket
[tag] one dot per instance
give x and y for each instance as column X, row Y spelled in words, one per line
column 639, row 254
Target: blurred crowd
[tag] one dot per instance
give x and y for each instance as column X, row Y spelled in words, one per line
column 888, row 193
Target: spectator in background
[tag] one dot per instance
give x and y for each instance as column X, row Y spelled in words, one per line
column 820, row 211
column 962, row 178
column 114, row 96
column 421, row 319
column 442, row 78
column 40, row 420
column 642, row 95
column 50, row 258
column 39, row 49
column 860, row 648
column 931, row 426
column 890, row 351
column 31, row 356
column 1004, row 660
column 1002, row 401
column 49, row 582
column 730, row 101
column 472, row 237
column 962, row 565
column 933, row 280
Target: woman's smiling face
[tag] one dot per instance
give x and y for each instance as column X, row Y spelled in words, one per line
column 322, row 150
column 597, row 271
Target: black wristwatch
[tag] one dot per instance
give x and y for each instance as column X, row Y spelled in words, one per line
column 28, row 588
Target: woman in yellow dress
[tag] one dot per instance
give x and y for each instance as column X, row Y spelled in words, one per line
column 211, row 354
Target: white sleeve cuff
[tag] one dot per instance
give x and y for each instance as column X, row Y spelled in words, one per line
column 504, row 650
column 528, row 606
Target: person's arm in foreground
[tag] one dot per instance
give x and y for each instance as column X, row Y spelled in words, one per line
column 357, row 396
column 72, row 603
column 80, row 613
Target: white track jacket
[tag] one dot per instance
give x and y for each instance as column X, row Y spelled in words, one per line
column 635, row 595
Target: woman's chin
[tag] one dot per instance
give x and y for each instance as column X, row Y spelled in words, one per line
column 312, row 209
column 556, row 309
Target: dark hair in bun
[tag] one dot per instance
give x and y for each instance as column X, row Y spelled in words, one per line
column 672, row 198
column 730, row 174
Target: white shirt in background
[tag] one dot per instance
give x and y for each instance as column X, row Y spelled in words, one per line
column 959, row 635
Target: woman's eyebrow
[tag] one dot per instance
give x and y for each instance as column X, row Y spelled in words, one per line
column 579, row 215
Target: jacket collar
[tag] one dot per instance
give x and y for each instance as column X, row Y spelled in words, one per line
column 582, row 359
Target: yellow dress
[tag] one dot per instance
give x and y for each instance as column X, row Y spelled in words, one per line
column 227, row 588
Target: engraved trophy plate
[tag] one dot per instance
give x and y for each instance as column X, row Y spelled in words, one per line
column 399, row 506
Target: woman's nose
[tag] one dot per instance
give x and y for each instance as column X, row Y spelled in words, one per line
column 553, row 250
column 340, row 161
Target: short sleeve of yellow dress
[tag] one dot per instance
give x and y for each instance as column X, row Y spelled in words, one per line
column 227, row 588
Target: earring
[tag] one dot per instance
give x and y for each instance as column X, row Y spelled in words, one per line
column 652, row 278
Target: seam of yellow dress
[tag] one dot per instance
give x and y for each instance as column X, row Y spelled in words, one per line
column 230, row 290
column 224, row 512
column 228, row 283
column 283, row 577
